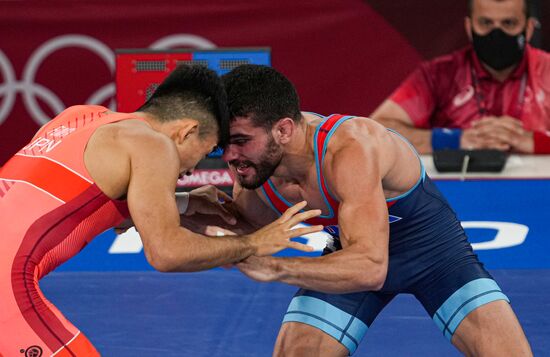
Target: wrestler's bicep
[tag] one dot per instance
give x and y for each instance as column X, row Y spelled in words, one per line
column 151, row 188
column 354, row 177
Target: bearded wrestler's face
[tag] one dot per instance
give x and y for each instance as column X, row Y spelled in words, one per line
column 252, row 153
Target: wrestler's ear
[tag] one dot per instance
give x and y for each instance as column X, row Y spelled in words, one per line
column 184, row 130
column 283, row 130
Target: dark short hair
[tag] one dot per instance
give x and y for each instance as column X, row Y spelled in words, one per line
column 192, row 91
column 261, row 94
column 527, row 7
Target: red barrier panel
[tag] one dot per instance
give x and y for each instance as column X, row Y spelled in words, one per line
column 344, row 56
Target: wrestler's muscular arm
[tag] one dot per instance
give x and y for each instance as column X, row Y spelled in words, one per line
column 364, row 230
column 152, row 169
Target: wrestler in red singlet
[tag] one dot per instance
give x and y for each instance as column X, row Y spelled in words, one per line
column 50, row 208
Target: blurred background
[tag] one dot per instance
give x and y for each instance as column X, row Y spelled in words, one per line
column 343, row 56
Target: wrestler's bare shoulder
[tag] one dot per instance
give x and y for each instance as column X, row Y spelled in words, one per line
column 134, row 134
column 357, row 130
column 122, row 143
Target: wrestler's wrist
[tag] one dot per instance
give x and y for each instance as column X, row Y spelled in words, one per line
column 182, row 201
column 251, row 244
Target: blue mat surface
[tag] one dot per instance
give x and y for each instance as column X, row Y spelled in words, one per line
column 222, row 313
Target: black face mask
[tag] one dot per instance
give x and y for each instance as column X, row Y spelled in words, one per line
column 499, row 50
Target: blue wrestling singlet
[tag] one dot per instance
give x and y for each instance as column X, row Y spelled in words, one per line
column 429, row 257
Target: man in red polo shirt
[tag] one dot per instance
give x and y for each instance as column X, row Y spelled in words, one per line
column 493, row 94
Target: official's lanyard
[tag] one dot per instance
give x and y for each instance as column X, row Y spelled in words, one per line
column 480, row 100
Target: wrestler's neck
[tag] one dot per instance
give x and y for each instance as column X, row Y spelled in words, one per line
column 165, row 127
column 298, row 157
column 153, row 122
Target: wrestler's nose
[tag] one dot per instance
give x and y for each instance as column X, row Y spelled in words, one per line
column 230, row 153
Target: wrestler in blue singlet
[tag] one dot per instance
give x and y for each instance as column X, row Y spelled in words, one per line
column 429, row 257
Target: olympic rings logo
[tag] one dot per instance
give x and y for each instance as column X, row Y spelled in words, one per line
column 30, row 90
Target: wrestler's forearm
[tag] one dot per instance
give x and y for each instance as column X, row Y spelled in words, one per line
column 209, row 248
column 194, row 252
column 338, row 272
